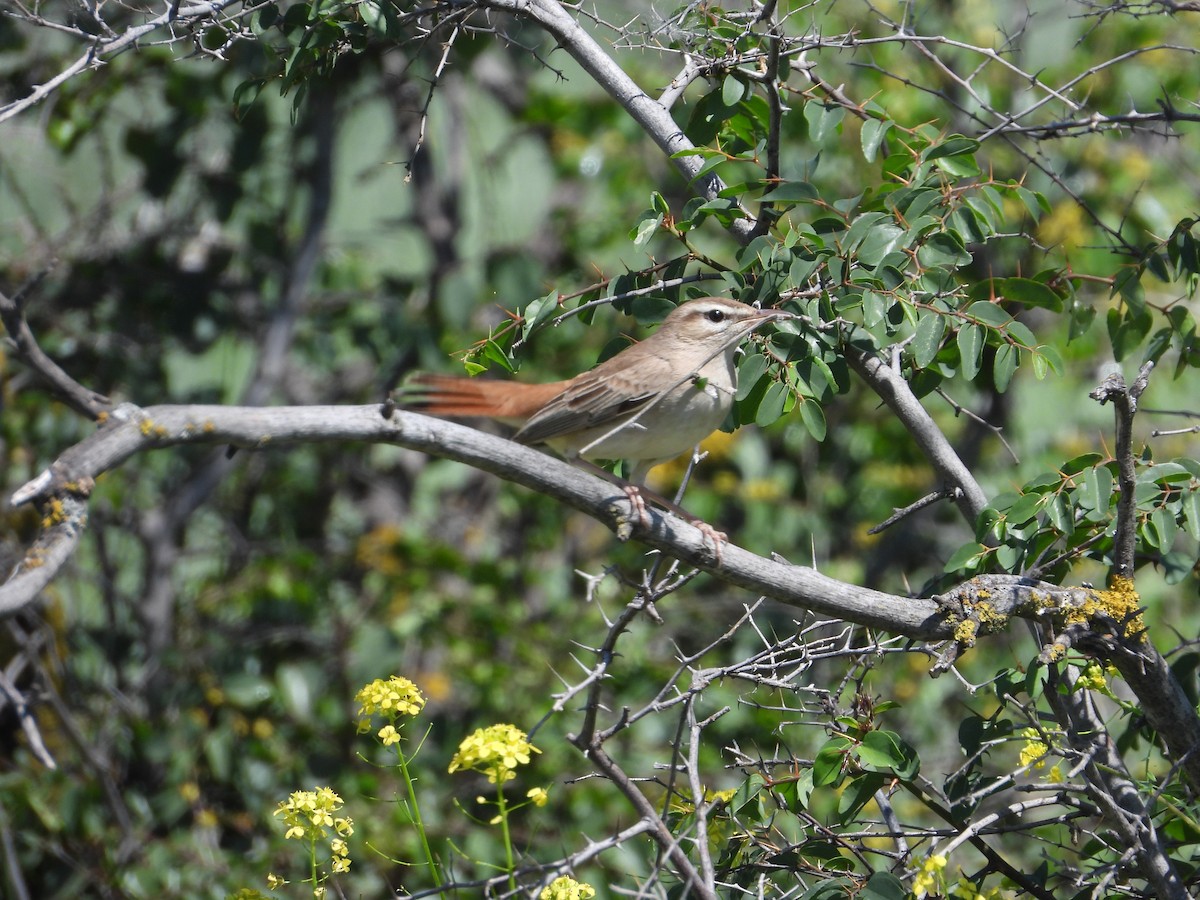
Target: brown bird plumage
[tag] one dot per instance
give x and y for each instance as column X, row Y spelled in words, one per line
column 648, row 404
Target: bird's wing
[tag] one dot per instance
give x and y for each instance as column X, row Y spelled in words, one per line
column 601, row 395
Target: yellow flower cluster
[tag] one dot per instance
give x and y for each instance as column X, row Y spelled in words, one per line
column 564, row 888
column 1092, row 678
column 495, row 751
column 929, row 875
column 390, row 699
column 1035, row 749
column 965, row 890
column 310, row 814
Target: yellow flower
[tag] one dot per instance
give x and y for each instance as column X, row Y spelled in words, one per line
column 564, row 888
column 390, row 699
column 388, row 735
column 495, row 751
column 310, row 814
column 929, row 875
column 274, row 882
column 1035, row 750
column 539, row 796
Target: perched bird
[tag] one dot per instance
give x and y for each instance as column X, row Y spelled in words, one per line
column 652, row 402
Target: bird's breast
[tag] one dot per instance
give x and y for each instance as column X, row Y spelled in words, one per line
column 662, row 428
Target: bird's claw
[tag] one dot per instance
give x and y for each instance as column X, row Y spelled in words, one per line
column 637, row 513
column 718, row 538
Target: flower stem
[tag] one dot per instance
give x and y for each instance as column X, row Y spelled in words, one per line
column 312, row 860
column 508, row 851
column 415, row 811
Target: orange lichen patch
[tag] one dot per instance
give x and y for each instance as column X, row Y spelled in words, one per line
column 965, row 632
column 56, row 514
column 1120, row 603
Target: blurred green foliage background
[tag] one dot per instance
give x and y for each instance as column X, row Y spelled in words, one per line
column 207, row 238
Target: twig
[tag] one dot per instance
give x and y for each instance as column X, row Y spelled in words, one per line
column 85, row 402
column 1124, row 401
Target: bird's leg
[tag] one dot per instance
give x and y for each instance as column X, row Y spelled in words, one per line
column 639, row 494
column 633, row 493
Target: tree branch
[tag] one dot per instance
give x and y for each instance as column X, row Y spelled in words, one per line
column 896, row 393
column 651, row 115
column 1124, row 400
column 71, row 392
column 980, row 606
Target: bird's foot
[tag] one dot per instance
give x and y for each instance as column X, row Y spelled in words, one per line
column 717, row 538
column 637, row 505
column 637, row 513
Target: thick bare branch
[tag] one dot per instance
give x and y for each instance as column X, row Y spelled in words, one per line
column 983, row 604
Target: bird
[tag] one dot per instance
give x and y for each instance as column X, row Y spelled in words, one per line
column 647, row 405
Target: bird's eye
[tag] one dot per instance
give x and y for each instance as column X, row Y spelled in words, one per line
column 715, row 315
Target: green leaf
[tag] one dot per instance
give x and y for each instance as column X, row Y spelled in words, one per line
column 1128, row 283
column 873, row 133
column 944, row 248
column 1167, row 473
column 968, row 557
column 883, row 886
column 955, row 145
column 813, row 417
column 988, row 313
column 928, row 338
column 1034, row 202
column 970, row 350
column 879, row 242
column 962, row 166
column 1024, row 509
column 1060, row 515
column 1030, row 293
column 1097, row 492
column 752, row 367
column 1082, row 316
column 791, row 192
column 1047, row 358
column 536, row 313
column 887, row 752
column 822, row 120
column 1127, row 332
column 802, row 269
column 1163, row 524
column 497, row 354
column 1191, row 514
column 732, row 91
column 1003, row 367
column 646, row 228
column 771, row 407
column 827, row 765
column 829, row 889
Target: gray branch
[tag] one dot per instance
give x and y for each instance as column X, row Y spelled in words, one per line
column 653, row 117
column 978, row 607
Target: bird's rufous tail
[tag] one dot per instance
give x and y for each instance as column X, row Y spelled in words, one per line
column 450, row 396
